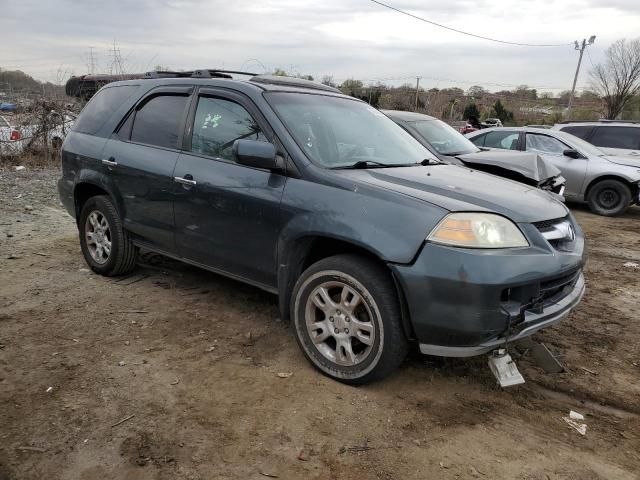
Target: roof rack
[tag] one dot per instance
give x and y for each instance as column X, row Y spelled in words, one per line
column 213, row 73
column 602, row 120
column 292, row 82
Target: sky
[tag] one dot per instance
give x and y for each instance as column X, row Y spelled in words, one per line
column 50, row 39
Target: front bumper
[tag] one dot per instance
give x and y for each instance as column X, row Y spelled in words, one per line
column 461, row 302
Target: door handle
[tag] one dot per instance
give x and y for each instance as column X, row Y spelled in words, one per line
column 110, row 163
column 184, row 180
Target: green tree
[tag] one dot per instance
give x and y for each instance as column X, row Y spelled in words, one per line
column 471, row 111
column 499, row 111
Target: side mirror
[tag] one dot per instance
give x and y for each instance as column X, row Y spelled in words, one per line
column 571, row 153
column 253, row 153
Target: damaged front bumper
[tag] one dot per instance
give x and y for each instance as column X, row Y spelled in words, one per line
column 532, row 322
column 462, row 302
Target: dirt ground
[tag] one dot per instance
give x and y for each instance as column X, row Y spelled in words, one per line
column 172, row 373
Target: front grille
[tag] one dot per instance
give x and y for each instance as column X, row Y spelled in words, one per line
column 547, row 225
column 559, row 232
column 551, row 290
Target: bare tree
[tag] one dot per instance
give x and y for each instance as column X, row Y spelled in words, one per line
column 618, row 78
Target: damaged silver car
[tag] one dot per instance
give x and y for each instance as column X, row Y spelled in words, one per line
column 452, row 147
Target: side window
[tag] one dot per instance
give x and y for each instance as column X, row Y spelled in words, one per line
column 218, row 123
column 124, row 132
column 544, row 144
column 580, row 131
column 617, row 137
column 502, row 139
column 159, row 121
column 479, row 140
column 101, row 106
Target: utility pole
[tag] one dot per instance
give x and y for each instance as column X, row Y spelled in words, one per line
column 92, row 63
column 117, row 67
column 417, row 90
column 580, row 47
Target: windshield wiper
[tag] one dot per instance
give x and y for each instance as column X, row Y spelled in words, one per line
column 362, row 164
column 453, row 154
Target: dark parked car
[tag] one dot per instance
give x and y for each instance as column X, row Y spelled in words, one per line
column 453, row 147
column 368, row 240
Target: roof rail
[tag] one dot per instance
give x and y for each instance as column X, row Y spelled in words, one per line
column 602, row 120
column 292, row 82
column 201, row 73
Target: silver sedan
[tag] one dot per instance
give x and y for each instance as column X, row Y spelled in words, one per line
column 608, row 183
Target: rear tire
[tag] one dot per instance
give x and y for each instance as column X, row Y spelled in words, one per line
column 105, row 244
column 347, row 319
column 609, row 198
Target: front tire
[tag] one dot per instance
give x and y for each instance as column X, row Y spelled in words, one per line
column 609, row 198
column 105, row 244
column 346, row 315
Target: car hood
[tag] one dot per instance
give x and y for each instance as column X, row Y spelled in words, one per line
column 457, row 188
column 528, row 164
column 631, row 161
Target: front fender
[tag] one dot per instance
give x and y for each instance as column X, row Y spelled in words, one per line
column 389, row 225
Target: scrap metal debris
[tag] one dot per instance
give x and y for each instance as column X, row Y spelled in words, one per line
column 574, row 420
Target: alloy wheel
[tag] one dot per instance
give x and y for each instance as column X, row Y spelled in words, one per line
column 98, row 236
column 340, row 323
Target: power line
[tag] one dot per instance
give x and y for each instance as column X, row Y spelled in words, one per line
column 468, row 33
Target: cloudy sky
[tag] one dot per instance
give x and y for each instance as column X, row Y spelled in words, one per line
column 50, row 39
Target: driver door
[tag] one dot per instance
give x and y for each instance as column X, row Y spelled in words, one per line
column 227, row 215
column 550, row 148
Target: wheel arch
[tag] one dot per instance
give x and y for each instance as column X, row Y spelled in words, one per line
column 306, row 250
column 633, row 187
column 90, row 185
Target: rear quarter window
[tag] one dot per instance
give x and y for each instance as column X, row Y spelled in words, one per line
column 101, row 106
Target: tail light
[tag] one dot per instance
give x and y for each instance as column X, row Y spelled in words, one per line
column 15, row 135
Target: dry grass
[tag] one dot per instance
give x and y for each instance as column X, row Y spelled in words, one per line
column 31, row 159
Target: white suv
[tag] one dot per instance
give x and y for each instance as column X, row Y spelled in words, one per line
column 613, row 138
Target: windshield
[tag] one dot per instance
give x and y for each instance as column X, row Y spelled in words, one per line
column 580, row 145
column 445, row 139
column 337, row 132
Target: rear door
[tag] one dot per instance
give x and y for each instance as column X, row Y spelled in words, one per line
column 617, row 140
column 550, row 148
column 227, row 215
column 141, row 157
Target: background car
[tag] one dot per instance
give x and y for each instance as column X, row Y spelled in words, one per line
column 613, row 138
column 452, row 147
column 10, row 138
column 493, row 122
column 609, row 184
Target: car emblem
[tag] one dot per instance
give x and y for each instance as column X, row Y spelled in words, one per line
column 567, row 230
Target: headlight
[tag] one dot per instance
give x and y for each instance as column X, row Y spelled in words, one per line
column 477, row 230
